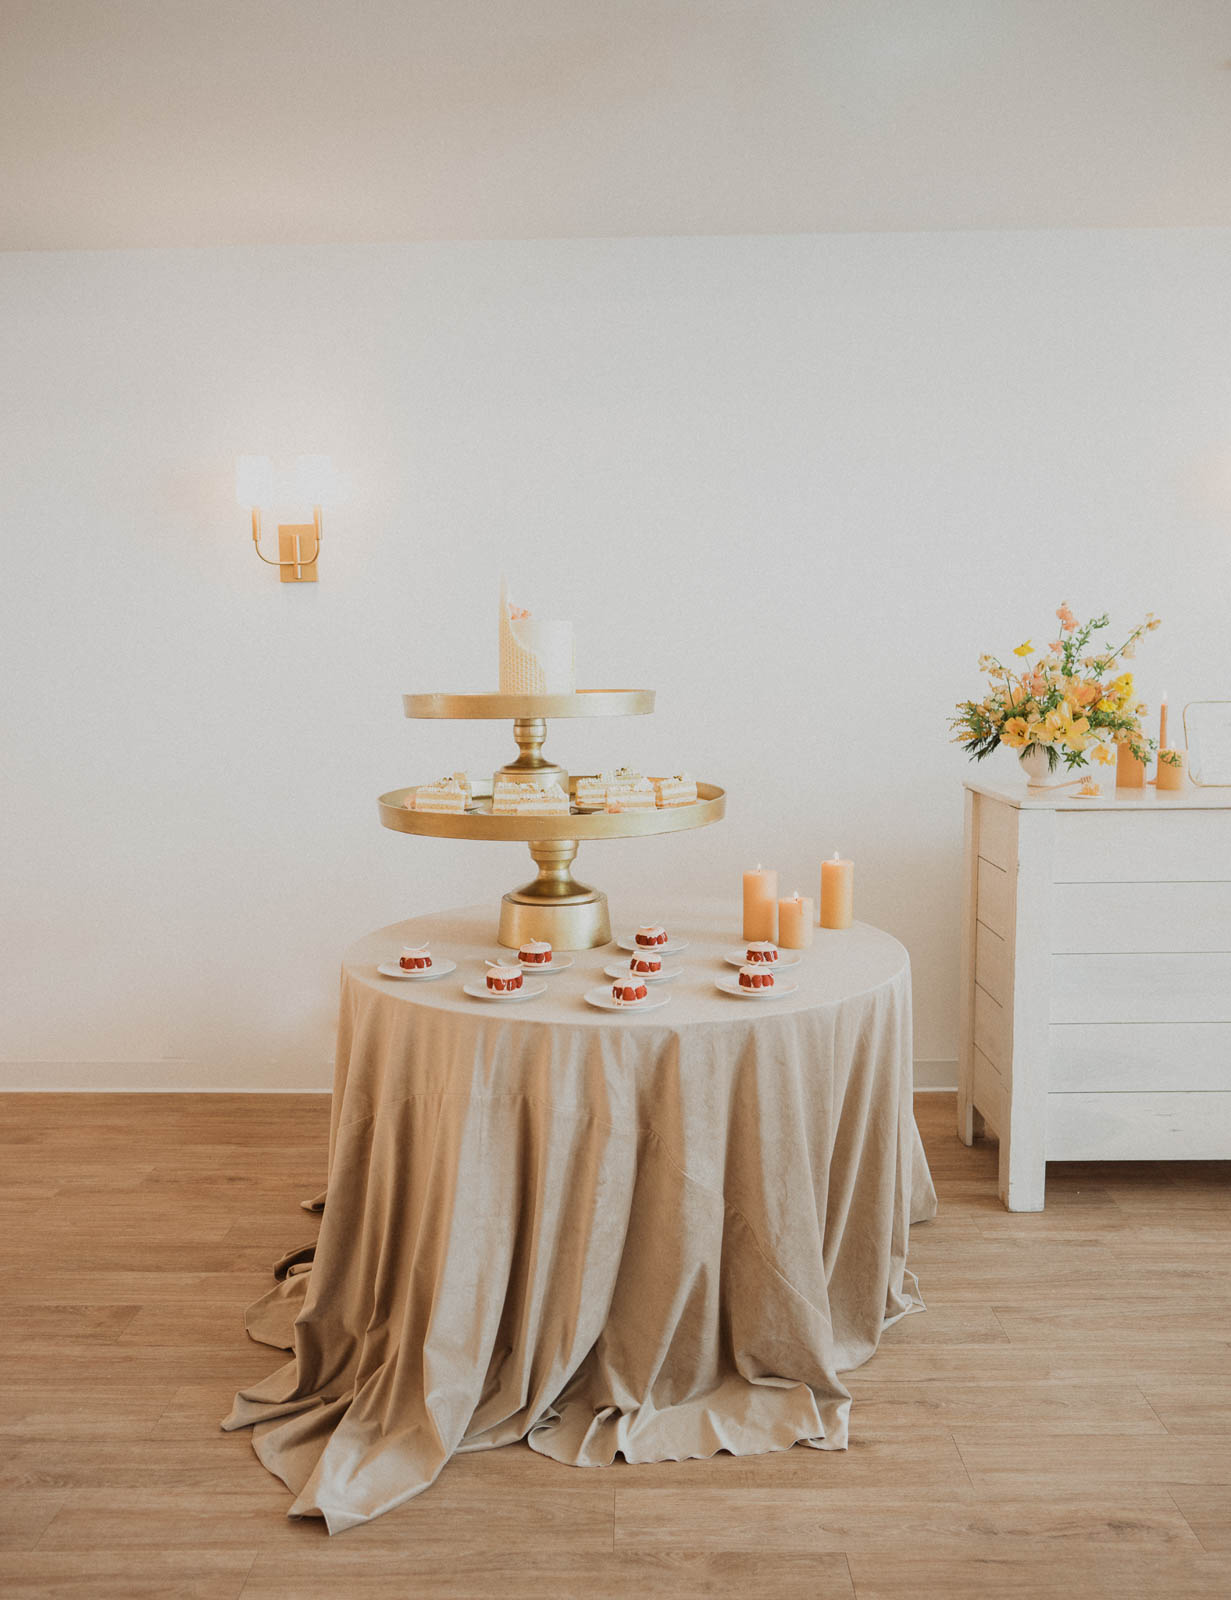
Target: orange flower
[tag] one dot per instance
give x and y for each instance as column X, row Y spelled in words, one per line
column 1067, row 620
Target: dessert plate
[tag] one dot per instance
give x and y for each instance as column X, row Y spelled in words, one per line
column 786, row 958
column 536, row 968
column 731, row 986
column 665, row 976
column 671, row 948
column 601, row 997
column 480, row 991
column 438, row 969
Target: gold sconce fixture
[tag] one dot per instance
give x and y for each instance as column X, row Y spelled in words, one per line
column 258, row 483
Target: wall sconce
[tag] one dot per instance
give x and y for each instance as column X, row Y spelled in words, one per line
column 308, row 482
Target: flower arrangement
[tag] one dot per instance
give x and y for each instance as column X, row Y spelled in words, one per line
column 1064, row 700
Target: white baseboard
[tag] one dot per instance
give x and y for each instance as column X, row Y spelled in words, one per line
column 185, row 1077
column 935, row 1076
column 149, row 1077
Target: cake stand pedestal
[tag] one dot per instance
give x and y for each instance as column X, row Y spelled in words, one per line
column 553, row 905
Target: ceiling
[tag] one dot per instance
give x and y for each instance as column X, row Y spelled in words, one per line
column 203, row 122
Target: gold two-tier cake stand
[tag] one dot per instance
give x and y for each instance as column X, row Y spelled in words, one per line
column 554, row 906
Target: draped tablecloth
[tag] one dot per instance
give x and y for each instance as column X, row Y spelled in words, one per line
column 657, row 1235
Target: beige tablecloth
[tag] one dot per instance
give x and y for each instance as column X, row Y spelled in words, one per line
column 658, row 1236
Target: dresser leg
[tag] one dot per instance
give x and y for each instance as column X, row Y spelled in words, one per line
column 1023, row 1175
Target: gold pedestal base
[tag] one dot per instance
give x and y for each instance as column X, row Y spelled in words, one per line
column 580, row 925
column 555, row 907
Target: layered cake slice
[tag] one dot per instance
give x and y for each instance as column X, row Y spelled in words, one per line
column 751, row 977
column 503, row 978
column 638, row 796
column 447, row 795
column 600, row 791
column 510, row 799
column 678, row 791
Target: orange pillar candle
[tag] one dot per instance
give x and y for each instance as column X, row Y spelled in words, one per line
column 837, row 892
column 795, row 919
column 1130, row 773
column 760, row 903
column 1162, row 722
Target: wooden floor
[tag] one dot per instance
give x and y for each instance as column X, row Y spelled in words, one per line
column 1057, row 1425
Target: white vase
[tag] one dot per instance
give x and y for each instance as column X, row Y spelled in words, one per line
column 1038, row 770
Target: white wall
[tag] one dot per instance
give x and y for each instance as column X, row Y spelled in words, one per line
column 795, row 484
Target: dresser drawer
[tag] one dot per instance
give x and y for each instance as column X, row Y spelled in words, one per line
column 1126, row 917
column 1112, row 1057
column 1142, row 846
column 1138, row 1127
column 1141, row 988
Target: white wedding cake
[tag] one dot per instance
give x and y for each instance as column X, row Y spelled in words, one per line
column 535, row 657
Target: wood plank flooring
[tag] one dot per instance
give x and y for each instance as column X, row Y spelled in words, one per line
column 1058, row 1424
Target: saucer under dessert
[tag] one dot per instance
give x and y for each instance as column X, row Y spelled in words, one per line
column 739, row 958
column 440, row 968
column 480, row 991
column 544, row 969
column 619, row 969
column 671, row 948
column 602, row 998
column 731, row 985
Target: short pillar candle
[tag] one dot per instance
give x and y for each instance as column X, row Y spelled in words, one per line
column 795, row 919
column 760, row 904
column 837, row 892
column 1172, row 769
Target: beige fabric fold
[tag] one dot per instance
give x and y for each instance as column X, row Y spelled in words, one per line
column 655, row 1236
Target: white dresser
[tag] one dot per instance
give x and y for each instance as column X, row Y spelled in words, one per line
column 1095, row 1020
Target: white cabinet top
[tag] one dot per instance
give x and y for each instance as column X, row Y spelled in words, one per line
column 1191, row 798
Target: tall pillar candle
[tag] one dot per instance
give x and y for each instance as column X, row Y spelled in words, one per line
column 795, row 919
column 837, row 892
column 1130, row 772
column 760, row 903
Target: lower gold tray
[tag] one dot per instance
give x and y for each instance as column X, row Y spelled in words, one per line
column 710, row 805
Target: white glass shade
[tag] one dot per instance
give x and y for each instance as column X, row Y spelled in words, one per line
column 308, row 481
column 255, row 481
column 311, row 480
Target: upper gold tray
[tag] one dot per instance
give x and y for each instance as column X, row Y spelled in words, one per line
column 480, row 824
column 495, row 707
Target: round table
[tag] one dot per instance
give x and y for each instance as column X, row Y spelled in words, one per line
column 654, row 1234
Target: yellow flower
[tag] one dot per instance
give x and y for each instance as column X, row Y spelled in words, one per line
column 1103, row 753
column 1026, row 649
column 1016, row 732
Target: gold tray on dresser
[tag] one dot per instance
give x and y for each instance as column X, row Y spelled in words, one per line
column 554, row 906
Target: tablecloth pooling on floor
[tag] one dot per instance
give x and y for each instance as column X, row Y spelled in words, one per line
column 658, row 1236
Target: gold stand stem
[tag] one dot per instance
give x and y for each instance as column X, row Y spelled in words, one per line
column 554, row 906
column 532, row 766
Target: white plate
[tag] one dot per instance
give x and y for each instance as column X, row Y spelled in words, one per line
column 601, row 997
column 786, row 958
column 438, row 969
column 671, row 948
column 731, row 986
column 556, row 964
column 480, row 991
column 664, row 976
